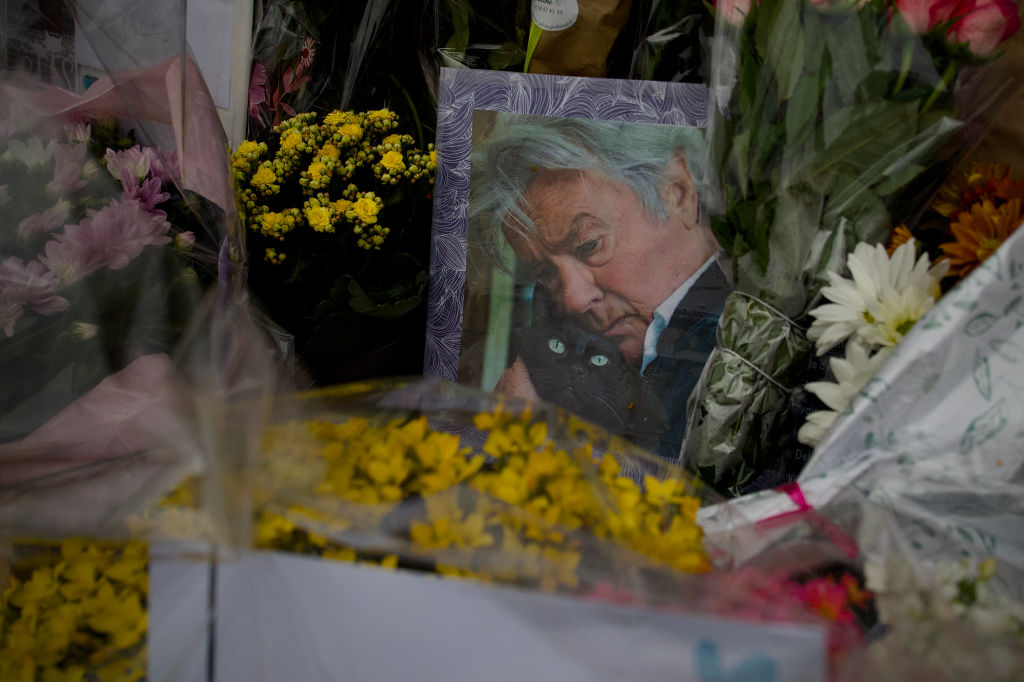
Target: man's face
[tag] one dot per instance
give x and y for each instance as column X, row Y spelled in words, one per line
column 604, row 258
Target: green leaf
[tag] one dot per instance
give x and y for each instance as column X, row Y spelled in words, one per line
column 982, row 375
column 980, row 324
column 780, row 38
column 363, row 304
column 985, row 426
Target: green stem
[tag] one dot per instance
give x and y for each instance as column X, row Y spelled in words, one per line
column 908, row 55
column 531, row 44
column 947, row 78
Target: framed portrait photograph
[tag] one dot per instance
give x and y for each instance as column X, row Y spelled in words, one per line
column 571, row 260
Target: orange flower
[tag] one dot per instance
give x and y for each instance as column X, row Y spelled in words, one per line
column 900, row 236
column 990, row 182
column 978, row 233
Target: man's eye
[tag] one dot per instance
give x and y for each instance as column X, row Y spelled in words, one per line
column 588, row 248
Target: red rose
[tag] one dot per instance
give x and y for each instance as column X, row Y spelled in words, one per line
column 983, row 24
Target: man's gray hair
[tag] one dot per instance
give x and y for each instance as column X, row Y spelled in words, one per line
column 504, row 164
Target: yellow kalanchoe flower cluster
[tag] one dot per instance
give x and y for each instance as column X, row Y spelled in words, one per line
column 520, row 508
column 317, row 161
column 82, row 613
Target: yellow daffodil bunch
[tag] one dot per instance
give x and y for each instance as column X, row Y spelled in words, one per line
column 76, row 615
column 517, row 506
column 336, row 174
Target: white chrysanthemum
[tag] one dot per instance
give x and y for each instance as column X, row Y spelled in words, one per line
column 852, row 374
column 31, row 153
column 884, row 298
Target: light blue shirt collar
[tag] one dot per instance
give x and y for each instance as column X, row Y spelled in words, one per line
column 663, row 313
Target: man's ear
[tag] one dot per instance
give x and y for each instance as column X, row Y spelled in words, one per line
column 679, row 192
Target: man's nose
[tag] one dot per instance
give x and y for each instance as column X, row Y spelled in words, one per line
column 578, row 291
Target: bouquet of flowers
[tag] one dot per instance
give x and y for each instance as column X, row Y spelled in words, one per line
column 831, row 123
column 93, row 216
column 337, row 212
column 75, row 611
column 418, row 476
column 119, row 247
column 321, row 56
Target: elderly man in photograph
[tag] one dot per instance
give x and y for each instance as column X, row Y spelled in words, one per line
column 605, row 218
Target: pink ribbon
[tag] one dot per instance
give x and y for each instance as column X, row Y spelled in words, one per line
column 805, row 512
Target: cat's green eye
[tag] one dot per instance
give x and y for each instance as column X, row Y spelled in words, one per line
column 599, row 360
column 556, row 345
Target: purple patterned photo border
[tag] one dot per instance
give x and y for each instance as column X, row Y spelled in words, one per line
column 462, row 91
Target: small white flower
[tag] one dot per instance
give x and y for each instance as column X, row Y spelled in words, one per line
column 83, row 331
column 852, row 374
column 30, row 153
column 884, row 298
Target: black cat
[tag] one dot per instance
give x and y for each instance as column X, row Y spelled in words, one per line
column 578, row 370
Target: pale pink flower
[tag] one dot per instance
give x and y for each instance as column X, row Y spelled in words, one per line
column 118, row 233
column 30, row 284
column 70, row 259
column 47, row 221
column 983, row 24
column 148, row 193
column 134, row 160
column 163, row 165
column 78, row 132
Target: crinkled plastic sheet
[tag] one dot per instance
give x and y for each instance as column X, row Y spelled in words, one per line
column 107, row 257
column 314, row 533
column 671, row 41
column 807, row 164
column 321, row 56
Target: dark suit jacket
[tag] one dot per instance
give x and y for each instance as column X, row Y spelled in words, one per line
column 658, row 419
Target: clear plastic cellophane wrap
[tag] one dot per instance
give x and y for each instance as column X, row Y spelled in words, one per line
column 118, row 244
column 321, row 56
column 363, row 496
column 832, row 124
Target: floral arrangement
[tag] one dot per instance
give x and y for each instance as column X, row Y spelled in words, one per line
column 891, row 288
column 75, row 614
column 336, row 212
column 952, row 610
column 516, row 507
column 831, row 124
column 102, row 261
